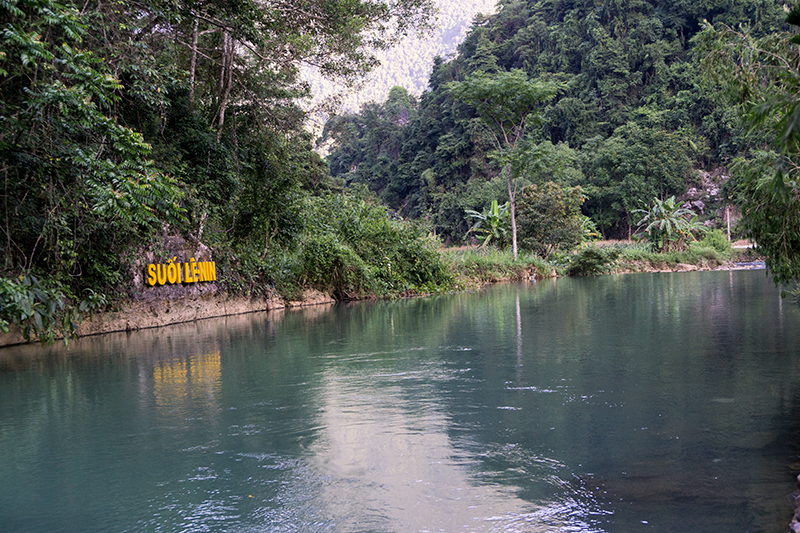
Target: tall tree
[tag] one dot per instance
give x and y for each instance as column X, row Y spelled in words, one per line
column 507, row 103
column 164, row 109
column 76, row 182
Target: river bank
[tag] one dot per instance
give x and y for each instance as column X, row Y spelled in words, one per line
column 177, row 308
column 145, row 314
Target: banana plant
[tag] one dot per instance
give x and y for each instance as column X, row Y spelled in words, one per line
column 667, row 225
column 491, row 225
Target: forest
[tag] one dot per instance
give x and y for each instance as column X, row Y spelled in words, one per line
column 648, row 101
column 556, row 123
column 634, row 115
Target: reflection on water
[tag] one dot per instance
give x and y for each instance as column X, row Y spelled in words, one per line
column 391, row 447
column 178, row 383
column 613, row 404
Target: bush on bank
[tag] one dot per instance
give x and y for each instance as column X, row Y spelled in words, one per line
column 711, row 251
column 347, row 246
column 353, row 249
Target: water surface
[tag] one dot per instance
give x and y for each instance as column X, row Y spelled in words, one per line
column 643, row 402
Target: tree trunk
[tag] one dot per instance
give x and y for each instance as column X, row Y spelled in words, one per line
column 7, row 251
column 511, row 195
column 728, row 218
column 226, row 79
column 193, row 63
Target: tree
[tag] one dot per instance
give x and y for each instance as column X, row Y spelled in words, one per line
column 76, row 182
column 668, row 225
column 490, row 225
column 632, row 109
column 506, row 103
column 550, row 218
column 165, row 111
column 630, row 168
column 761, row 75
column 770, row 205
column 215, row 87
column 369, row 144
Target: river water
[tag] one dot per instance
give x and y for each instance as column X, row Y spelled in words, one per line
column 640, row 402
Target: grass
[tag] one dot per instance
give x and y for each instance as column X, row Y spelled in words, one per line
column 633, row 256
column 473, row 266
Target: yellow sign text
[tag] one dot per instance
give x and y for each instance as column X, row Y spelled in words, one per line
column 173, row 272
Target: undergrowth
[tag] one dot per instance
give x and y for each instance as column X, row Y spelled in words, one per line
column 713, row 250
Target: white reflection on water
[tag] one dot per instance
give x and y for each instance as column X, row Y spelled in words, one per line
column 391, row 466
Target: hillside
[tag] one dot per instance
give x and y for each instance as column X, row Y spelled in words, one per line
column 632, row 120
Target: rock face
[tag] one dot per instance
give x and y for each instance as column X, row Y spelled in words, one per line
column 705, row 198
column 171, row 247
column 155, row 313
column 151, row 313
column 794, row 526
column 312, row 297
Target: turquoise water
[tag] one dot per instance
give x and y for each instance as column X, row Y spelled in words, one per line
column 642, row 402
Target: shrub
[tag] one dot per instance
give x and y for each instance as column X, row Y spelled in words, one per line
column 356, row 248
column 328, row 264
column 42, row 312
column 592, row 260
column 715, row 239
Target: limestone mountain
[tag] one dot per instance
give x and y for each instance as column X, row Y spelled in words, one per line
column 409, row 63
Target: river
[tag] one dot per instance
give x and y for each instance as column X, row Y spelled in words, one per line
column 639, row 402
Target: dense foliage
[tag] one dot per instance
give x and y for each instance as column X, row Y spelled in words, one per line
column 630, row 121
column 550, row 218
column 354, row 248
column 120, row 121
column 760, row 75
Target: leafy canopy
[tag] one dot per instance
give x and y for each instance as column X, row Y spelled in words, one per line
column 761, row 76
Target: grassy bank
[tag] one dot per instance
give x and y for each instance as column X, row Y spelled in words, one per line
column 631, row 256
column 477, row 266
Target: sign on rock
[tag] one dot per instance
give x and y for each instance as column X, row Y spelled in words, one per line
column 172, row 272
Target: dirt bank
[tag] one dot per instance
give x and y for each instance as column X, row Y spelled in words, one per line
column 142, row 314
